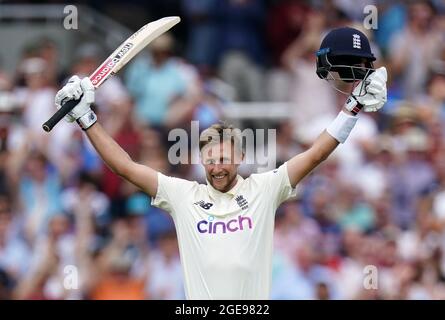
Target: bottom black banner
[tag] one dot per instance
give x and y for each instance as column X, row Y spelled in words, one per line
column 152, row 309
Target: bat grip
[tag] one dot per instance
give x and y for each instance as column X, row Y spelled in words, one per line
column 63, row 111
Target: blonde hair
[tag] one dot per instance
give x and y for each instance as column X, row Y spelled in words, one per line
column 220, row 132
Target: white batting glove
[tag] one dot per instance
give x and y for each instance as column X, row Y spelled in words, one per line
column 74, row 89
column 375, row 94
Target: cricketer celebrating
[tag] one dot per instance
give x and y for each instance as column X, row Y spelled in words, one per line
column 225, row 228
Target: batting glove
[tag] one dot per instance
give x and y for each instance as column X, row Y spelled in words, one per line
column 375, row 94
column 73, row 90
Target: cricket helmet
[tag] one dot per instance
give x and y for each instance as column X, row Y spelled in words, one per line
column 347, row 52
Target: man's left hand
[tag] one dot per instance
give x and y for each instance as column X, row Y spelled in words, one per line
column 375, row 91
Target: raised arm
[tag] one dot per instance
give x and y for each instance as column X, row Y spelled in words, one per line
column 120, row 162
column 109, row 150
column 302, row 164
column 338, row 131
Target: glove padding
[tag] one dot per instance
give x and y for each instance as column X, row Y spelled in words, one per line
column 73, row 90
column 375, row 91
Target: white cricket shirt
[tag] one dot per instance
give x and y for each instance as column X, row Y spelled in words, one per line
column 225, row 239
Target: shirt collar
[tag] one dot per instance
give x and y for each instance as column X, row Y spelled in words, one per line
column 215, row 193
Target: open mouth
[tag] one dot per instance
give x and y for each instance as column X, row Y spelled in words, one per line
column 219, row 176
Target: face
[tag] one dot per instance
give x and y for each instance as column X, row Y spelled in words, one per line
column 160, row 56
column 136, row 229
column 58, row 226
column 221, row 164
column 346, row 79
column 169, row 246
column 421, row 14
column 37, row 168
column 35, row 80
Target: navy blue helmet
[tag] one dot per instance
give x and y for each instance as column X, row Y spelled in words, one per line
column 347, row 52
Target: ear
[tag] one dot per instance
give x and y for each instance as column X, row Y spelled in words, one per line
column 242, row 158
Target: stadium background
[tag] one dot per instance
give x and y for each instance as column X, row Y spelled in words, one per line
column 379, row 200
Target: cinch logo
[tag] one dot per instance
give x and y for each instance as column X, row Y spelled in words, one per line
column 233, row 225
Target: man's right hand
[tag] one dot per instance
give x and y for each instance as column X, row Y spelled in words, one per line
column 75, row 89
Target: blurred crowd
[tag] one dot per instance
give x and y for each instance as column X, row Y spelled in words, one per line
column 71, row 229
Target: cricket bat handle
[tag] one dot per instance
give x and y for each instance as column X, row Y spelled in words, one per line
column 63, row 111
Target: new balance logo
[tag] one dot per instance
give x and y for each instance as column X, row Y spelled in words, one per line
column 204, row 205
column 356, row 41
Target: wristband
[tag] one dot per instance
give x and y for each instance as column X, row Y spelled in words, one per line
column 352, row 105
column 87, row 120
column 341, row 127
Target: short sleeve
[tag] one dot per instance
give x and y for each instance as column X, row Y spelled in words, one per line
column 277, row 185
column 171, row 192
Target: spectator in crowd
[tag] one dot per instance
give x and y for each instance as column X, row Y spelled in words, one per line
column 294, row 230
column 155, row 82
column 36, row 98
column 411, row 177
column 39, row 192
column 391, row 19
column 49, row 51
column 202, row 32
column 431, row 104
column 284, row 24
column 14, row 252
column 86, row 186
column 299, row 59
column 286, row 144
column 164, row 268
column 240, row 46
column 413, row 48
column 53, row 252
column 112, row 276
column 123, row 127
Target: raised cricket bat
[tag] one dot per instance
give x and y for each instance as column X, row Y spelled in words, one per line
column 119, row 58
